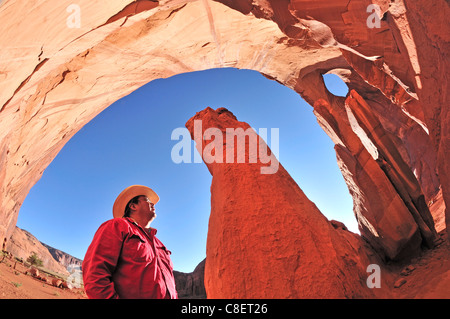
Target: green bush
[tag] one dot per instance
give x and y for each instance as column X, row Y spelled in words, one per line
column 34, row 260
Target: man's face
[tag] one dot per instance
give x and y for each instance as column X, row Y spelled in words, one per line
column 146, row 207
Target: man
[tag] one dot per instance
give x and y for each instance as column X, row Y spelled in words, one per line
column 125, row 259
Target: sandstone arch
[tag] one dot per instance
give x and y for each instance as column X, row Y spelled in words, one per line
column 56, row 78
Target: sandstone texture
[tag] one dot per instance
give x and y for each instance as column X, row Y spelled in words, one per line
column 22, row 244
column 61, row 64
column 68, row 261
column 388, row 202
column 191, row 285
column 266, row 239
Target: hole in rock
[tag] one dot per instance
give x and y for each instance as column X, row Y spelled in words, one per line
column 130, row 143
column 335, row 84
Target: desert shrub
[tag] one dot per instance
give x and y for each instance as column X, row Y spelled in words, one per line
column 35, row 260
column 17, row 284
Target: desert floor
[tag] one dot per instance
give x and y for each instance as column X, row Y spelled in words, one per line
column 16, row 284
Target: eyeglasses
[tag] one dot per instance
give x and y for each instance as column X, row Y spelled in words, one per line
column 148, row 200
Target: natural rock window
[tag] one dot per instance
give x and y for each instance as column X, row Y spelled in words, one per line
column 335, row 84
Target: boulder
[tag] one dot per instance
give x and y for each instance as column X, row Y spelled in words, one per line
column 57, row 282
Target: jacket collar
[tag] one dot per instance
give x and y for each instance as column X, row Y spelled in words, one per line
column 150, row 230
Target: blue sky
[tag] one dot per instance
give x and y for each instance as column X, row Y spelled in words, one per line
column 130, row 143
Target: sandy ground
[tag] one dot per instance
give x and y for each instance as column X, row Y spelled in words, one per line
column 15, row 284
column 429, row 277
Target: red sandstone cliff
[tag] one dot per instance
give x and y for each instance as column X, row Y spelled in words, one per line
column 22, row 244
column 191, row 285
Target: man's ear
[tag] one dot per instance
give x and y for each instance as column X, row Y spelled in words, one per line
column 132, row 206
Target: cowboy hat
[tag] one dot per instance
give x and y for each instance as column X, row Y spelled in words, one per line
column 130, row 192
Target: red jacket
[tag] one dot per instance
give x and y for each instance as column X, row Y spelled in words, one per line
column 126, row 261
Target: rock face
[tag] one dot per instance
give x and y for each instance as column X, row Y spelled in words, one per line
column 68, row 261
column 389, row 205
column 62, row 65
column 191, row 285
column 22, row 244
column 266, row 239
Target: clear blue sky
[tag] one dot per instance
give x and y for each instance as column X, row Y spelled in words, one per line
column 130, row 143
